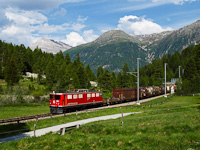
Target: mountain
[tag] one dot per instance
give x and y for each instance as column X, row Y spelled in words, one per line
column 177, row 40
column 108, row 50
column 114, row 48
column 50, row 46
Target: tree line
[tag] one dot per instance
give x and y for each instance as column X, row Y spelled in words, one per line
column 62, row 73
column 189, row 62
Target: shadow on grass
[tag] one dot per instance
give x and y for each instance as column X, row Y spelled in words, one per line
column 13, row 129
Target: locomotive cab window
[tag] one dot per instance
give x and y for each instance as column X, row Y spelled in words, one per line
column 51, row 96
column 57, row 96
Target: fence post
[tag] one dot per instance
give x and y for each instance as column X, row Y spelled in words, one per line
column 77, row 126
column 51, row 116
column 62, row 131
column 76, row 113
column 34, row 130
column 122, row 119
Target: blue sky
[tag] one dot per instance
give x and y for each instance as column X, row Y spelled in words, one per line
column 77, row 22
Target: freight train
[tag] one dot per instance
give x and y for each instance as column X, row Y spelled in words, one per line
column 62, row 101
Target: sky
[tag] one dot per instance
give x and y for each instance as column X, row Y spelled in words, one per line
column 77, row 22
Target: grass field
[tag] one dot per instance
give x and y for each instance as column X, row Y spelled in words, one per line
column 174, row 124
column 23, row 109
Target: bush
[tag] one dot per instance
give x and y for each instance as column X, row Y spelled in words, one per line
column 37, row 95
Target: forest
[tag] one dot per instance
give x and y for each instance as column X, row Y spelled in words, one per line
column 62, row 73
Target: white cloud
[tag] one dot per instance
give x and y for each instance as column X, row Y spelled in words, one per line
column 18, row 35
column 41, row 5
column 74, row 39
column 77, row 26
column 48, row 29
column 24, row 17
column 139, row 25
column 177, row 2
column 89, row 35
column 81, row 19
column 61, row 12
column 22, row 25
column 144, row 4
column 26, row 26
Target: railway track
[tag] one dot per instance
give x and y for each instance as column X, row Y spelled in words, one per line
column 18, row 119
column 49, row 115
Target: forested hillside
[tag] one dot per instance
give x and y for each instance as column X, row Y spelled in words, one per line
column 188, row 59
column 62, row 73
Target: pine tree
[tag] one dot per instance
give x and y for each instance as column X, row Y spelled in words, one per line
column 50, row 74
column 99, row 71
column 67, row 59
column 67, row 77
column 126, row 76
column 75, row 82
column 106, row 80
column 191, row 69
column 77, row 61
column 83, row 80
column 90, row 74
column 113, row 80
column 119, row 80
column 11, row 73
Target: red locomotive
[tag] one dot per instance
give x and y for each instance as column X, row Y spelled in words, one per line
column 61, row 101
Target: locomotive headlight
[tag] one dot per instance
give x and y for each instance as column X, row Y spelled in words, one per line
column 50, row 103
column 58, row 103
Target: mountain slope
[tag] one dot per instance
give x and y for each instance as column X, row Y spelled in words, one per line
column 50, row 46
column 114, row 48
column 177, row 40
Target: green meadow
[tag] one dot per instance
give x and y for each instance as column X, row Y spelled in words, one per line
column 171, row 124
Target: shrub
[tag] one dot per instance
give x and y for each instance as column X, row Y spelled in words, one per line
column 37, row 95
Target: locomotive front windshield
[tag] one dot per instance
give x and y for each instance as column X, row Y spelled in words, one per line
column 54, row 96
column 51, row 96
column 57, row 96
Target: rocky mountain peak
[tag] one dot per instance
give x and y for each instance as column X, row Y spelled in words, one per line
column 50, row 46
column 113, row 36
